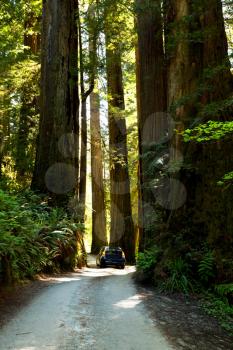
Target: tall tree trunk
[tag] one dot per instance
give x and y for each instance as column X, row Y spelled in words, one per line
column 84, row 96
column 151, row 98
column 99, row 234
column 199, row 74
column 57, row 149
column 83, row 161
column 32, row 40
column 21, row 161
column 29, row 103
column 122, row 227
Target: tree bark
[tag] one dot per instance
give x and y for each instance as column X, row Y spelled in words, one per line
column 59, row 100
column 29, row 103
column 99, row 233
column 84, row 95
column 122, row 227
column 21, row 160
column 83, row 161
column 32, row 40
column 151, row 99
column 198, row 75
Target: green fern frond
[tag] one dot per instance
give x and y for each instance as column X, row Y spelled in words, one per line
column 206, row 267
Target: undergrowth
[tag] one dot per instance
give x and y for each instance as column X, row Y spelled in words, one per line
column 178, row 279
column 34, row 237
column 219, row 307
column 189, row 276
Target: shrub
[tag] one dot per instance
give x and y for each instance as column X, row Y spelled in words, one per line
column 34, row 237
column 147, row 260
column 225, row 291
column 178, row 280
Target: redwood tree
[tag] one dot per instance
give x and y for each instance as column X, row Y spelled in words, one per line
column 199, row 86
column 29, row 99
column 59, row 98
column 151, row 96
column 85, row 93
column 99, row 234
column 122, row 227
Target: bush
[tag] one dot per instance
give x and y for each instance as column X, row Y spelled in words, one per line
column 178, row 277
column 34, row 237
column 147, row 260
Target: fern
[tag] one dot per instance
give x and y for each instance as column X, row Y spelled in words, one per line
column 206, row 267
column 147, row 261
column 224, row 289
column 33, row 237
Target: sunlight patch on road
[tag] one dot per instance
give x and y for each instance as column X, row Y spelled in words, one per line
column 97, row 272
column 51, row 347
column 90, row 272
column 130, row 302
column 27, row 348
column 65, row 279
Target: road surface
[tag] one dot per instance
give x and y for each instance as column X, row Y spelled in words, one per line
column 94, row 309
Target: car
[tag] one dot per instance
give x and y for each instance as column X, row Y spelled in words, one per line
column 111, row 256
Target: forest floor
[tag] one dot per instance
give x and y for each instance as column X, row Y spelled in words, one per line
column 103, row 309
column 184, row 322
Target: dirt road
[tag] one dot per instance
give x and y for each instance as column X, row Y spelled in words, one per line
column 93, row 309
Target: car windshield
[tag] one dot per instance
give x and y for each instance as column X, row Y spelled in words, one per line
column 112, row 251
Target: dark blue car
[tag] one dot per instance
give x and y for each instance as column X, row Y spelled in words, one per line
column 109, row 256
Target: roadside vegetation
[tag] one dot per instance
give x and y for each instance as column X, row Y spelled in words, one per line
column 36, row 238
column 193, row 275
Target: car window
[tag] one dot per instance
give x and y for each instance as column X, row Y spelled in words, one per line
column 113, row 251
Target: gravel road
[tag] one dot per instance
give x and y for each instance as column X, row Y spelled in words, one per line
column 92, row 309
